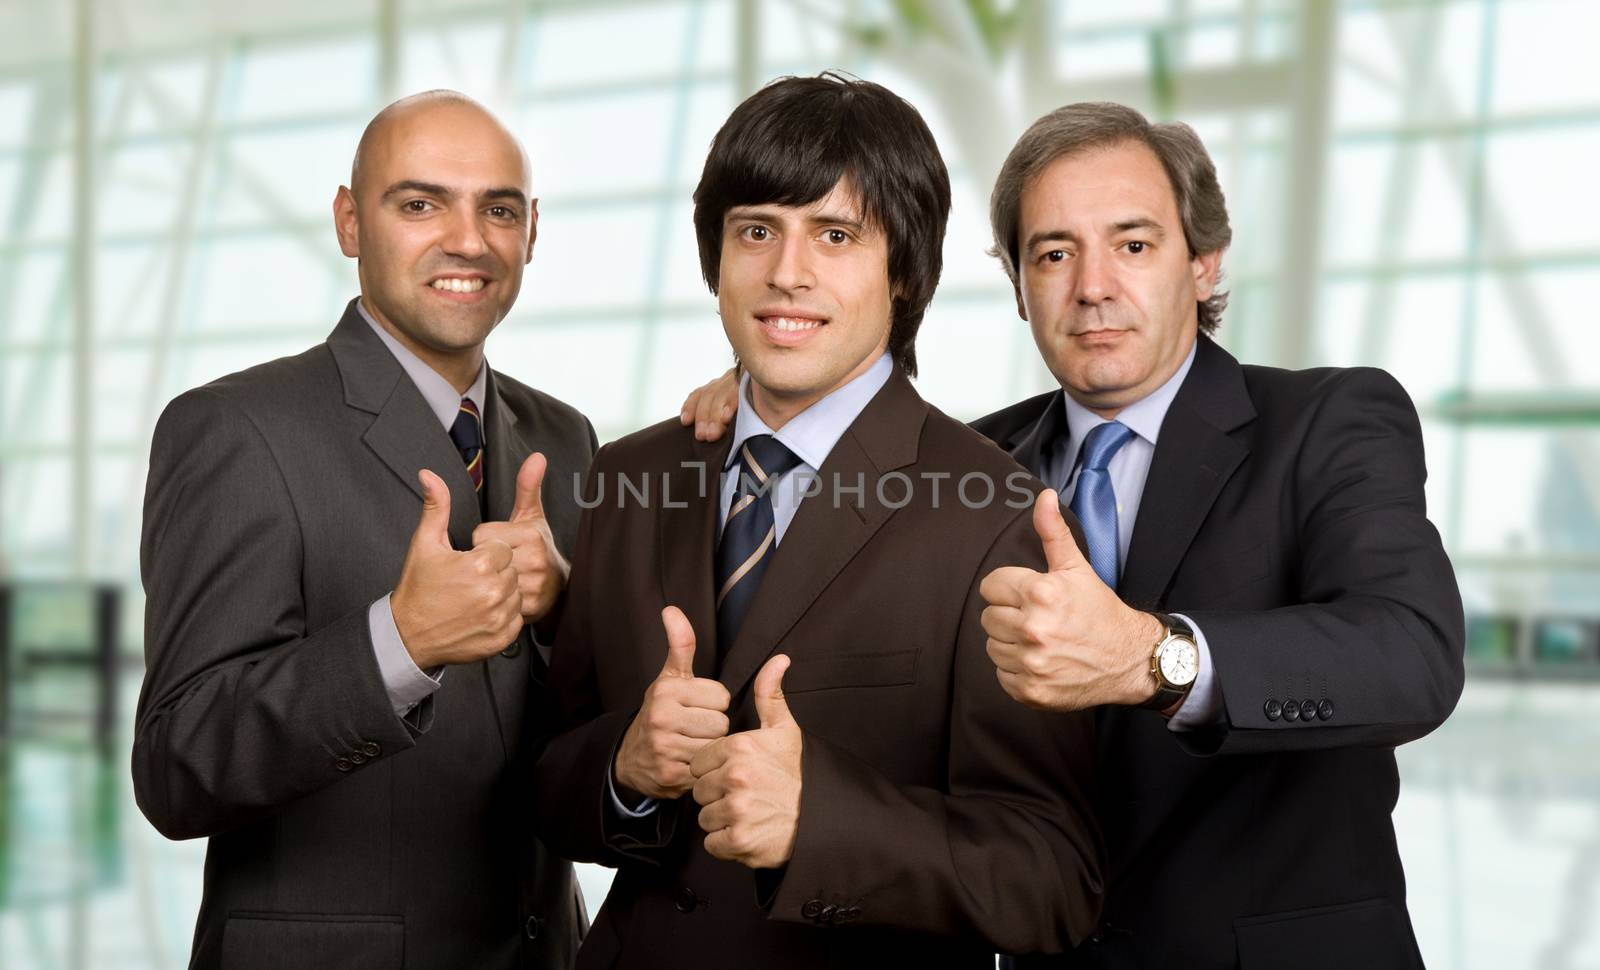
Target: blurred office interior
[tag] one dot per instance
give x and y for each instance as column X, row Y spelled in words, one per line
column 1411, row 183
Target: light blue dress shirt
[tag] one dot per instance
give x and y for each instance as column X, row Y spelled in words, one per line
column 1129, row 469
column 811, row 435
column 406, row 684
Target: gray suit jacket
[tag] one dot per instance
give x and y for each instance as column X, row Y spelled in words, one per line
column 280, row 504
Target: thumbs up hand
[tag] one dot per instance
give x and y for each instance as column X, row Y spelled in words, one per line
column 748, row 784
column 1061, row 640
column 541, row 569
column 679, row 715
column 453, row 607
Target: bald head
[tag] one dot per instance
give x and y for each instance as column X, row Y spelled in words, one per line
column 440, row 220
column 432, row 114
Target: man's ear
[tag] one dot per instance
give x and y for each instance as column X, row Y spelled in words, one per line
column 1204, row 267
column 1016, row 289
column 345, row 224
column 533, row 229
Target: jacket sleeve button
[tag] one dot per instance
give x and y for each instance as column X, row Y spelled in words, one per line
column 1291, row 711
column 1272, row 709
column 811, row 908
column 371, row 749
column 1325, row 709
column 1308, row 710
column 343, row 764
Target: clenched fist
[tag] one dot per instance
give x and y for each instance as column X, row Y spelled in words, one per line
column 748, row 784
column 680, row 714
column 453, row 607
column 541, row 569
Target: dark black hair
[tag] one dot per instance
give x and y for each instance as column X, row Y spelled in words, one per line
column 791, row 142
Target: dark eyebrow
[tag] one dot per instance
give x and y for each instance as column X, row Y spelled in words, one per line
column 413, row 185
column 1128, row 225
column 505, row 192
column 820, row 219
column 502, row 192
column 831, row 219
column 1050, row 235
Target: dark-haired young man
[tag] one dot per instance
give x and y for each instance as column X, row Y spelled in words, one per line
column 783, row 728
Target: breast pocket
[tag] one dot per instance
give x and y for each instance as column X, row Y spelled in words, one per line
column 835, row 670
column 311, row 941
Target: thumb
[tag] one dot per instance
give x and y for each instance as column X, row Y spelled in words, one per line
column 680, row 643
column 1060, row 548
column 433, row 527
column 770, row 705
column 529, row 503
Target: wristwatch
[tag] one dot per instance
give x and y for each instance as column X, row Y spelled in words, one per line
column 1174, row 663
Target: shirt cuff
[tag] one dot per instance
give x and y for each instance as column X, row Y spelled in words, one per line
column 645, row 808
column 1203, row 707
column 405, row 683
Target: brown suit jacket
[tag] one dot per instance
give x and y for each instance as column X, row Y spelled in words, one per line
column 939, row 819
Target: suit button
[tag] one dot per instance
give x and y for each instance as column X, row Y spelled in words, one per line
column 1291, row 711
column 343, row 764
column 371, row 749
column 1272, row 709
column 685, row 900
column 357, row 758
column 1325, row 709
column 532, row 927
column 854, row 913
column 1308, row 710
column 514, row 649
column 826, row 916
column 811, row 908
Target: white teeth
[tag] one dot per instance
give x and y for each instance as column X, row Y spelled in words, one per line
column 458, row 285
column 791, row 324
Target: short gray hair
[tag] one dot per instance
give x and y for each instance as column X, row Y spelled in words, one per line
column 1076, row 128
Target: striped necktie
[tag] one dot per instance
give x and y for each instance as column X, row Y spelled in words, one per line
column 749, row 534
column 467, row 433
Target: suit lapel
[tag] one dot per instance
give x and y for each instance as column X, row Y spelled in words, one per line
column 687, row 546
column 405, row 433
column 1195, row 456
column 1034, row 446
column 825, row 534
column 505, row 450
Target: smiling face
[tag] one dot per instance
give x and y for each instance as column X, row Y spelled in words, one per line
column 441, row 222
column 1105, row 278
column 805, row 298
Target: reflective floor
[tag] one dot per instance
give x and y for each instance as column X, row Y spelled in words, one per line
column 1499, row 823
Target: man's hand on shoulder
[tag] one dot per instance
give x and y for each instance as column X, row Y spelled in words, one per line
column 453, row 607
column 1062, row 640
column 710, row 407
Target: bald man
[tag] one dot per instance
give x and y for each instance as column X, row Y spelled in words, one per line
column 352, row 560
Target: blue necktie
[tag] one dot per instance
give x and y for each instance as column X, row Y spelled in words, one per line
column 1094, row 502
column 749, row 534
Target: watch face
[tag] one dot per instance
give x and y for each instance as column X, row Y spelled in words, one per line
column 1180, row 662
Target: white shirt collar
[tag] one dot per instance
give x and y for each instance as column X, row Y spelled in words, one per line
column 812, row 433
column 1143, row 416
column 439, row 393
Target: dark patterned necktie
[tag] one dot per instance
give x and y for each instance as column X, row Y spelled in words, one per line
column 749, row 535
column 467, row 433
